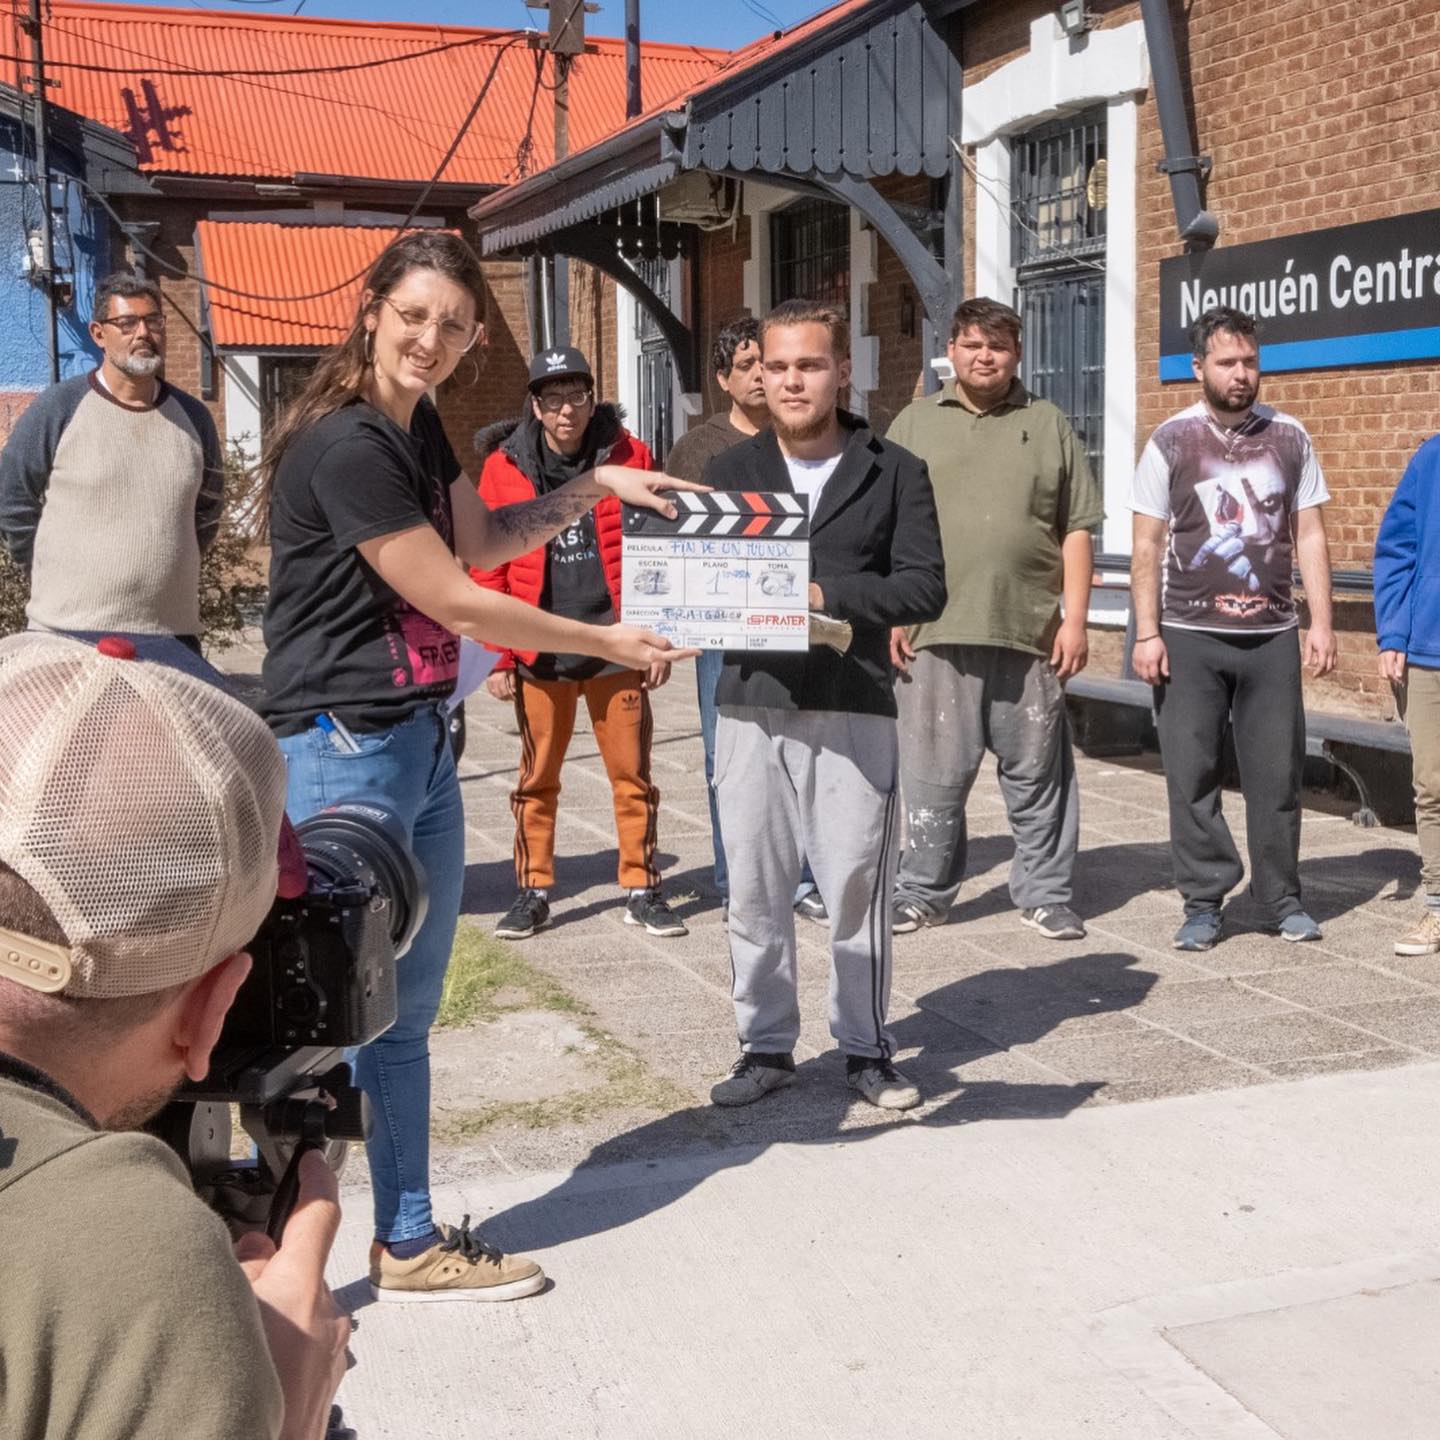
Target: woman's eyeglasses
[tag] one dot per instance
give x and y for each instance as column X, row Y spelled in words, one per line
column 454, row 335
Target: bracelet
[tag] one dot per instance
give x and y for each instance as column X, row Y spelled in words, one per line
column 1141, row 639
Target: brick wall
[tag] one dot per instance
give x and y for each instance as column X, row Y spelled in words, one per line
column 901, row 362
column 720, row 290
column 469, row 401
column 13, row 404
column 1315, row 117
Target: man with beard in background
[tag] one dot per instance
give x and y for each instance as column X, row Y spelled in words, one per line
column 1226, row 492
column 111, row 485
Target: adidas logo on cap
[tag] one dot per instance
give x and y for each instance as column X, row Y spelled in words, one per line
column 555, row 361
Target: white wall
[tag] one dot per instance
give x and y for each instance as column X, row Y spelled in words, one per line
column 1055, row 77
column 242, row 404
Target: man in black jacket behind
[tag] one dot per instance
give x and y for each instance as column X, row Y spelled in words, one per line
column 805, row 750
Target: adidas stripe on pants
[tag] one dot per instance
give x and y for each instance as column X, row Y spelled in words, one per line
column 821, row 784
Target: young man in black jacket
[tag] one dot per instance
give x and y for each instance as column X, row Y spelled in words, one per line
column 805, row 750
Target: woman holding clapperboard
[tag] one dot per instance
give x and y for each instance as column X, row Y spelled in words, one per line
column 368, row 512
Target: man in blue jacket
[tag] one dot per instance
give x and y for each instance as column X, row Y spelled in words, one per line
column 1407, row 630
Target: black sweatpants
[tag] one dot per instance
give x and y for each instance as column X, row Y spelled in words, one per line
column 1253, row 683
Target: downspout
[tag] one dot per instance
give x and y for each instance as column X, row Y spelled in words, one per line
column 1198, row 227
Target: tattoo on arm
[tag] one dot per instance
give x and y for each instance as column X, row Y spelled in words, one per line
column 535, row 521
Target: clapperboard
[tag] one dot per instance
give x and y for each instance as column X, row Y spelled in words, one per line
column 730, row 572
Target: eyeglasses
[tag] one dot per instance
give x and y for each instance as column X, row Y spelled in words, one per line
column 454, row 335
column 554, row 401
column 154, row 322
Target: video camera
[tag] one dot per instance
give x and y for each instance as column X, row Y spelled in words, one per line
column 322, row 983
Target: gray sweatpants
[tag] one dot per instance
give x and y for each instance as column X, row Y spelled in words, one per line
column 820, row 784
column 961, row 701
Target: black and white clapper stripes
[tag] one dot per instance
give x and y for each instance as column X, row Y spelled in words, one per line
column 751, row 514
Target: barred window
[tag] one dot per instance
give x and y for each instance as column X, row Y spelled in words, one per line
column 810, row 253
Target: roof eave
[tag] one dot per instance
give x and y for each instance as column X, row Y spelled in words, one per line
column 644, row 154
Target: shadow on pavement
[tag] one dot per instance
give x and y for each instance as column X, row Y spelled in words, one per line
column 967, row 1025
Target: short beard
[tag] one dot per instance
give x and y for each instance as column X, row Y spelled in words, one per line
column 810, row 430
column 139, row 367
column 144, row 1107
column 1218, row 400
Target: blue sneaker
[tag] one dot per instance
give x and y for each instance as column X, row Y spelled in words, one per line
column 1296, row 927
column 1199, row 932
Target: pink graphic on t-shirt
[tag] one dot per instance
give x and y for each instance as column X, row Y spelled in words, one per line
column 434, row 652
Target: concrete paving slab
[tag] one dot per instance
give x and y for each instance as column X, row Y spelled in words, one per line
column 1359, row 1364
column 991, row 1279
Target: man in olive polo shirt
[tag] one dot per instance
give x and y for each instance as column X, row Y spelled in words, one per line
column 1016, row 503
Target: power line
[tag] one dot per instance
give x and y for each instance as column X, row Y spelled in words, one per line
column 349, row 280
column 170, row 70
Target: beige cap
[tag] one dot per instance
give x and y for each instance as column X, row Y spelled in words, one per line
column 142, row 805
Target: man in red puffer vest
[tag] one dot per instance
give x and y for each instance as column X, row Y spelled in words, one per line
column 561, row 433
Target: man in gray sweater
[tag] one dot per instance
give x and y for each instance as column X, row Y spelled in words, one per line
column 111, row 485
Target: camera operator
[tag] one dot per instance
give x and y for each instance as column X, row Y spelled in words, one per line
column 140, row 811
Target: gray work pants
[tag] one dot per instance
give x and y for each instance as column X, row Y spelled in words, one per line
column 960, row 701
column 822, row 784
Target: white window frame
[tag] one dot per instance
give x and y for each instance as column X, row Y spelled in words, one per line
column 1055, row 77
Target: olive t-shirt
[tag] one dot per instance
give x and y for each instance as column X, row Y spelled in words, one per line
column 123, row 1312
column 1010, row 485
column 337, row 637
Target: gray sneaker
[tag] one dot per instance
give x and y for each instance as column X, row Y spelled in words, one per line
column 1296, row 927
column 905, row 917
column 1199, row 932
column 880, row 1083
column 1054, row 922
column 752, row 1077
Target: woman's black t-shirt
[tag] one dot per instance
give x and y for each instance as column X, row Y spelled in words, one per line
column 337, row 637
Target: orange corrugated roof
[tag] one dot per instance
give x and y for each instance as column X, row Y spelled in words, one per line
column 389, row 123
column 268, row 259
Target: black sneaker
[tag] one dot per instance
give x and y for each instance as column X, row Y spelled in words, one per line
column 529, row 913
column 650, row 910
column 812, row 907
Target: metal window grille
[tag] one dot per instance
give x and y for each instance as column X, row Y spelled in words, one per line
column 655, row 378
column 1058, row 194
column 1057, row 191
column 282, row 378
column 810, row 253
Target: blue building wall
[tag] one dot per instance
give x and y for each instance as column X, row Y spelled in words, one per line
column 81, row 250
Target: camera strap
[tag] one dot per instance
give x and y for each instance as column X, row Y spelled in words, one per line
column 287, row 1192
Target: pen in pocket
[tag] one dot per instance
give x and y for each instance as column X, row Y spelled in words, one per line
column 338, row 733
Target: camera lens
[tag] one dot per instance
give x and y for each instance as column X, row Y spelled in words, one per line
column 355, row 846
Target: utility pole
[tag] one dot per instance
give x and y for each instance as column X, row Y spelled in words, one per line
column 633, row 103
column 32, row 27
column 564, row 40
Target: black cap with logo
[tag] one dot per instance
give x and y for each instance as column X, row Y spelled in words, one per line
column 564, row 362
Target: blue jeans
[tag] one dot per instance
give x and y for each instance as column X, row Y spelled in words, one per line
column 410, row 769
column 708, row 664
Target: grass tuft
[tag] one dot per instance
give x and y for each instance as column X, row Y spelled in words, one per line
column 488, row 978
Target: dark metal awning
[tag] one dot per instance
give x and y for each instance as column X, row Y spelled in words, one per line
column 865, row 90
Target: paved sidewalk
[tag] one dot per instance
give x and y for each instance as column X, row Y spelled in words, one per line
column 1213, row 1222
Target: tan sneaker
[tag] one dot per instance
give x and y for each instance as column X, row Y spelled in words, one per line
column 458, row 1267
column 1424, row 939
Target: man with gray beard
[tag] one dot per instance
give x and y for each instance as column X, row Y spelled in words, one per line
column 111, row 485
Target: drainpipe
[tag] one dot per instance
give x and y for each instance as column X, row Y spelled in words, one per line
column 1198, row 227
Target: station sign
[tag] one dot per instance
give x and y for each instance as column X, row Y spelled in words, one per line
column 1366, row 294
